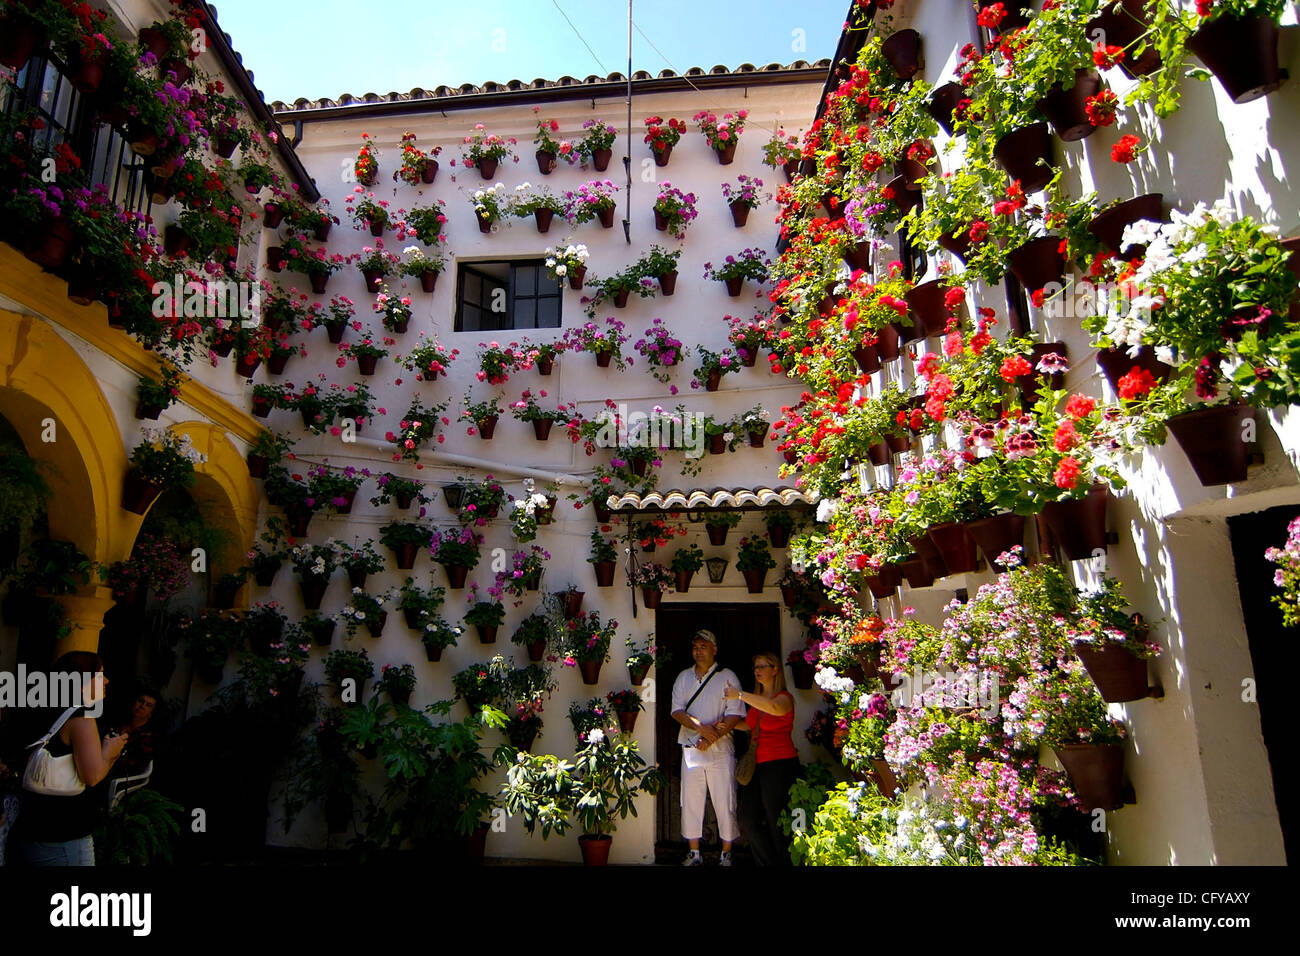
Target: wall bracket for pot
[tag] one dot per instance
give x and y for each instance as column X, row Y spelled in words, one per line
column 1156, row 691
column 1255, row 458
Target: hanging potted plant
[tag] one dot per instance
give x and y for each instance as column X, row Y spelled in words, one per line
column 369, row 212
column 717, row 523
column 418, row 167
column 457, row 550
column 314, row 563
column 627, row 704
column 537, row 202
column 779, row 523
column 596, row 145
column 429, row 359
column 405, row 539
column 673, row 210
column 653, row 580
column 423, row 268
column 359, row 561
column 1113, row 645
column 754, row 561
column 342, row 666
column 586, row 643
column 662, row 135
column 542, row 419
column 570, row 601
column 319, row 627
column 486, row 616
column 481, row 500
column 153, row 397
column 418, row 605
column 482, row 416
column 1237, row 40
column 485, row 150
column 438, row 635
column 661, row 265
column 750, row 264
column 723, row 136
column 162, row 461
column 714, row 365
column 366, row 167
column 591, row 200
column 398, row 683
column 490, row 207
column 685, row 563
column 532, row 635
column 366, row 609
column 569, row 263
column 603, row 558
column 742, row 197
column 605, row 343
column 549, row 149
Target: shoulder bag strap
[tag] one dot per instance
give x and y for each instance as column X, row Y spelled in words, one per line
column 58, row 725
column 700, row 688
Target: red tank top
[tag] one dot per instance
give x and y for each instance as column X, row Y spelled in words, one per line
column 773, row 735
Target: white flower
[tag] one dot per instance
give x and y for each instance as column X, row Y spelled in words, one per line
column 1141, row 232
column 560, row 270
column 595, row 736
column 826, row 508
column 412, row 251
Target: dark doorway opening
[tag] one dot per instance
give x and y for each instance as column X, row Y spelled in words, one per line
column 1270, row 644
column 742, row 631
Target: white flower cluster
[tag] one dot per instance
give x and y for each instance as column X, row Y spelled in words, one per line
column 832, row 683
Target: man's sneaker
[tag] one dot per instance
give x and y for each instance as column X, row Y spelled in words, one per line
column 693, row 859
column 725, row 860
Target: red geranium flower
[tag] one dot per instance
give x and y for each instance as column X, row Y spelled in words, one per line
column 1135, row 384
column 1123, row 151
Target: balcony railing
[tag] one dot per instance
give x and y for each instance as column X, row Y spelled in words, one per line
column 71, row 118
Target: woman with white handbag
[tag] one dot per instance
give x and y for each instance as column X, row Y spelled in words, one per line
column 58, row 810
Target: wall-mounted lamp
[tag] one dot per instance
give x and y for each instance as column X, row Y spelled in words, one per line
column 717, row 567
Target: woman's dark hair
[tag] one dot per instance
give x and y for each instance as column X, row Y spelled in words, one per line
column 80, row 662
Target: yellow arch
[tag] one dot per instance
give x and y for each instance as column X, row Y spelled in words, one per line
column 223, row 489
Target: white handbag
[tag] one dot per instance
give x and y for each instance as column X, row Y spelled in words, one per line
column 51, row 775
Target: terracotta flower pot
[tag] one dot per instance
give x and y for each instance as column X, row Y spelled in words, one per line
column 487, row 427
column 545, row 161
column 662, row 155
column 1123, row 28
column 323, row 634
column 943, row 101
column 430, row 172
column 484, row 224
column 366, row 364
column 428, row 281
column 536, row 650
column 1241, row 52
column 903, row 51
column 997, row 535
column 1020, row 151
column 1120, row 675
column 791, row 169
column 801, row 673
column 257, row 465
column 374, row 279
column 1109, row 226
column 734, row 286
column 456, row 574
column 572, row 604
column 606, row 217
column 717, row 534
column 857, row 256
column 376, row 628
column 754, row 579
column 590, row 671
column 898, row 443
column 604, row 573
column 19, row 39
column 1065, row 109
column 595, row 849
column 405, row 554
column 868, row 359
column 1115, row 364
column 959, row 245
column 925, row 302
column 727, row 153
column 651, row 598
column 1079, row 525
column 1097, row 773
column 543, row 218
column 956, row 547
column 576, row 275
column 636, row 675
column 885, row 583
column 138, row 492
column 487, row 633
column 886, row 779
column 717, row 443
column 600, row 159
column 318, row 282
column 683, row 580
column 1038, row 262
column 313, row 590
column 627, row 720
column 299, row 519
column 1211, row 437
column 272, row 215
column 739, row 212
column 887, row 343
column 918, row 572
column 668, row 282
column 432, row 653
column 487, row 167
column 756, row 438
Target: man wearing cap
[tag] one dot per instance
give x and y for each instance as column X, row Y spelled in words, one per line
column 708, row 754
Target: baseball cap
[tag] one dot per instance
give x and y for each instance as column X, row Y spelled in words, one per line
column 703, row 635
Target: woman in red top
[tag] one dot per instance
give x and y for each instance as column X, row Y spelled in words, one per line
column 771, row 720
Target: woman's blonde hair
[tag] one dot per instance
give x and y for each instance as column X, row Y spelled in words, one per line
column 777, row 681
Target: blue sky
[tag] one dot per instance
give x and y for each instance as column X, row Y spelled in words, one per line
column 327, row 47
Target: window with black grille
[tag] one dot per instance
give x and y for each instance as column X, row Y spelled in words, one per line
column 506, row 294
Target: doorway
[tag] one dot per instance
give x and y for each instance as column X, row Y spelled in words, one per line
column 1271, row 644
column 742, row 631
